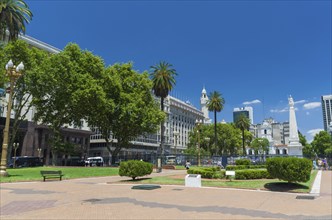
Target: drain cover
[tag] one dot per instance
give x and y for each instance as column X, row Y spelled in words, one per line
column 306, row 197
column 177, row 189
column 146, row 187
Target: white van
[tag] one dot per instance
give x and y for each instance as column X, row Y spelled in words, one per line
column 94, row 161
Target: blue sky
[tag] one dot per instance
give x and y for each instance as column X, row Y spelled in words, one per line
column 246, row 50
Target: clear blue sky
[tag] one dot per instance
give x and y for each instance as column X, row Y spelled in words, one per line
column 246, row 50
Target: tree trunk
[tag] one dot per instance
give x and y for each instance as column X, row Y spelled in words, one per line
column 215, row 130
column 162, row 133
column 244, row 150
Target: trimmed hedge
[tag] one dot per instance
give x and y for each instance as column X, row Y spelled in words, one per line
column 208, row 172
column 252, row 174
column 242, row 162
column 244, row 167
column 290, row 169
column 135, row 168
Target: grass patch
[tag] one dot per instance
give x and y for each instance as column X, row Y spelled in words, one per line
column 33, row 173
column 262, row 184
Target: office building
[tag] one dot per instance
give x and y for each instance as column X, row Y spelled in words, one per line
column 327, row 111
column 247, row 111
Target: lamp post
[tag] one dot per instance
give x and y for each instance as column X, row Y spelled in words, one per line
column 176, row 135
column 13, row 73
column 198, row 124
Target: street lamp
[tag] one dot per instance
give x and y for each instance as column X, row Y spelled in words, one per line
column 198, row 124
column 176, row 135
column 13, row 73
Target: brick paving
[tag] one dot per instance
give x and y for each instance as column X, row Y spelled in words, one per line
column 95, row 198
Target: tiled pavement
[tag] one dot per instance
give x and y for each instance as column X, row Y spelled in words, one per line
column 103, row 198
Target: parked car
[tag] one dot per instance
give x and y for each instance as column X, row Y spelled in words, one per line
column 25, row 161
column 94, row 161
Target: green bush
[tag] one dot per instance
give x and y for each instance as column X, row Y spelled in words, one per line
column 135, row 168
column 244, row 167
column 252, row 174
column 208, row 172
column 290, row 169
column 242, row 162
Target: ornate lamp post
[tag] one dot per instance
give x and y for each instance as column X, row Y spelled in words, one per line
column 176, row 135
column 13, row 73
column 198, row 124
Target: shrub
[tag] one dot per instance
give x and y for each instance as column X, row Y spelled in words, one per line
column 290, row 169
column 135, row 168
column 252, row 174
column 208, row 172
column 244, row 167
column 242, row 162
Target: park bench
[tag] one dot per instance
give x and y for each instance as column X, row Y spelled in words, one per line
column 47, row 174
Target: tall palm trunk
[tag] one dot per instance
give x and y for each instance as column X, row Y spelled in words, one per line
column 243, row 148
column 162, row 133
column 215, row 131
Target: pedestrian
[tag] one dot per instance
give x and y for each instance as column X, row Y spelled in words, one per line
column 187, row 165
column 319, row 163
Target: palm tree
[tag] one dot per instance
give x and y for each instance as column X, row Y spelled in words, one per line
column 215, row 104
column 243, row 123
column 163, row 82
column 14, row 14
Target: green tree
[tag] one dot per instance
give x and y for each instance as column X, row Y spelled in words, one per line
column 163, row 78
column 14, row 14
column 20, row 51
column 215, row 104
column 128, row 109
column 260, row 145
column 322, row 141
column 243, row 123
column 307, row 150
column 64, row 90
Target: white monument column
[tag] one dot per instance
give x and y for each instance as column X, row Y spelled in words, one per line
column 294, row 146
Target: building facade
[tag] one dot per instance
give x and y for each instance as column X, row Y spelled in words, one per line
column 275, row 132
column 247, row 111
column 327, row 112
column 180, row 120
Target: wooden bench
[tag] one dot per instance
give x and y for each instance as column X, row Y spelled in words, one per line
column 47, row 174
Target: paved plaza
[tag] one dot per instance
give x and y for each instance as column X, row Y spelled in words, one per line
column 105, row 198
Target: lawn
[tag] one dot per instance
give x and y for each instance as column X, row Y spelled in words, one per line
column 33, row 173
column 262, row 184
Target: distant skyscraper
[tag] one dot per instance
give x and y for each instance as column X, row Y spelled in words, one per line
column 327, row 111
column 247, row 111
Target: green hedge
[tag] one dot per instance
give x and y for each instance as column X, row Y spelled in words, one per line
column 252, row 174
column 290, row 169
column 135, row 168
column 244, row 167
column 208, row 172
column 242, row 162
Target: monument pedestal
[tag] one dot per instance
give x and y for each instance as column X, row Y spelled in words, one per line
column 295, row 149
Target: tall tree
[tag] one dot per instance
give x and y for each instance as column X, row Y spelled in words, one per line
column 307, row 150
column 20, row 51
column 163, row 78
column 322, row 141
column 260, row 145
column 243, row 123
column 128, row 110
column 216, row 104
column 64, row 89
column 14, row 14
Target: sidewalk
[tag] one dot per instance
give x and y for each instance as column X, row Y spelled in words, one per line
column 93, row 198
